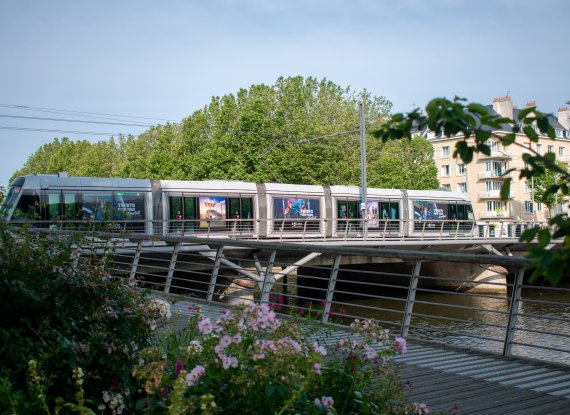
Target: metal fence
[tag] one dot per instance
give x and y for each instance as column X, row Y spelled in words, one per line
column 335, row 285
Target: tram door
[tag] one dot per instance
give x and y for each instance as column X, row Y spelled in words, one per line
column 348, row 209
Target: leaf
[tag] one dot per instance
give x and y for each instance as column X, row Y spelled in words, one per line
column 524, row 112
column 543, row 237
column 506, row 189
column 477, row 109
column 530, row 133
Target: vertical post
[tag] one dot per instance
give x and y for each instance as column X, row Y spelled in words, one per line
column 172, row 267
column 215, row 272
column 364, row 207
column 330, row 290
column 135, row 265
column 411, row 299
column 267, row 280
column 513, row 313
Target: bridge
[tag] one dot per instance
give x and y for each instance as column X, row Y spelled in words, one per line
column 509, row 344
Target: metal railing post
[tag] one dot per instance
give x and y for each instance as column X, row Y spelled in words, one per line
column 411, row 299
column 331, row 288
column 513, row 312
column 135, row 264
column 215, row 272
column 267, row 283
column 172, row 267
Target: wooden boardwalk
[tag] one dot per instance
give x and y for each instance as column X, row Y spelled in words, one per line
column 463, row 382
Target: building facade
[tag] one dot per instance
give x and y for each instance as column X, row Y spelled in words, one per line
column 483, row 177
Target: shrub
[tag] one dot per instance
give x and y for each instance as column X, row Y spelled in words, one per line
column 64, row 312
column 249, row 361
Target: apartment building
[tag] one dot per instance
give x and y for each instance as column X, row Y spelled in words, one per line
column 483, row 177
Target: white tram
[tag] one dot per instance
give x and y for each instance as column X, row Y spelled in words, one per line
column 221, row 208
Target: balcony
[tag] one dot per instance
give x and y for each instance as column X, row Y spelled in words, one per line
column 494, row 194
column 496, row 154
column 484, row 214
column 495, row 174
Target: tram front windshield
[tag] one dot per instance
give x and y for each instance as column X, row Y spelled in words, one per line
column 9, row 201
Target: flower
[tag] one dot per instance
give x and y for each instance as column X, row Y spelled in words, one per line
column 205, row 326
column 317, row 368
column 194, row 376
column 195, row 347
column 400, row 345
column 179, row 367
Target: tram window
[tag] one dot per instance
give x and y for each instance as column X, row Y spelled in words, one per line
column 454, row 212
column 348, row 209
column 176, row 213
column 247, row 213
column 28, row 206
column 234, row 213
column 53, row 208
column 189, row 213
column 70, row 206
column 97, row 206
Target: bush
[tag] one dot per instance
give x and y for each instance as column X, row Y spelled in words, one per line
column 248, row 361
column 66, row 313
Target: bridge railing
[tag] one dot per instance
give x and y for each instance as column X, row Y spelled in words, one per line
column 469, row 301
column 303, row 229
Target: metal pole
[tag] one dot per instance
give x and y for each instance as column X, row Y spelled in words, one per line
column 406, row 321
column 513, row 312
column 215, row 272
column 364, row 207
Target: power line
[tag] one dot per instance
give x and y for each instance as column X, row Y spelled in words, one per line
column 46, row 130
column 83, row 113
column 78, row 121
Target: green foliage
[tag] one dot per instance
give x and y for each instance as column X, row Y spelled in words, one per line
column 286, row 132
column 476, row 125
column 64, row 312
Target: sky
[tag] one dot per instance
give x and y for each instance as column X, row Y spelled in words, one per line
column 163, row 60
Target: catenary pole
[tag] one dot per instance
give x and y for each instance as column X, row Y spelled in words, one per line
column 364, row 206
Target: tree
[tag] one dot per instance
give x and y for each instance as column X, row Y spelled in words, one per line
column 476, row 125
column 542, row 183
column 299, row 130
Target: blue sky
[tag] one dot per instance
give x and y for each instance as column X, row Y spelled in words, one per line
column 166, row 59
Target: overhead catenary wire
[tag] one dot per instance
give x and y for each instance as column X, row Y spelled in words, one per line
column 76, row 121
column 47, row 130
column 82, row 113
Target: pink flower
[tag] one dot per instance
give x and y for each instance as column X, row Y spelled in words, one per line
column 317, row 368
column 400, row 345
column 205, row 326
column 194, row 376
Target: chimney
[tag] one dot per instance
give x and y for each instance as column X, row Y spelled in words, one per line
column 503, row 106
column 531, row 103
column 564, row 117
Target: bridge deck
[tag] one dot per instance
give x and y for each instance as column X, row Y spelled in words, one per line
column 463, row 382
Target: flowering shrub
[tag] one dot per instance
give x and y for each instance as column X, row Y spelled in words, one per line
column 65, row 312
column 249, row 361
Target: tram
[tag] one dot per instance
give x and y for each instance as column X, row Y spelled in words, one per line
column 222, row 207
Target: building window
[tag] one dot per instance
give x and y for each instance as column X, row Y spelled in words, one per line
column 494, row 145
column 445, row 152
column 491, row 185
column 495, row 206
column 462, row 187
column 461, row 169
column 561, row 151
column 446, row 186
column 445, row 170
column 539, row 148
column 538, row 207
column 527, row 187
column 528, row 206
column 550, row 149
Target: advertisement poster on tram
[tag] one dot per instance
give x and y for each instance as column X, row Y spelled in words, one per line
column 296, row 209
column 212, row 211
column 372, row 210
column 429, row 211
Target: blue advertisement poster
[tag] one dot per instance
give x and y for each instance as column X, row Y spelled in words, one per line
column 430, row 211
column 292, row 211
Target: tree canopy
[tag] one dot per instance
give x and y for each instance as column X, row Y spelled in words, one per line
column 299, row 130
